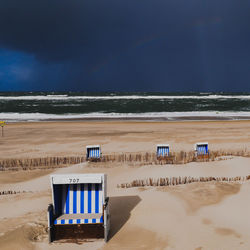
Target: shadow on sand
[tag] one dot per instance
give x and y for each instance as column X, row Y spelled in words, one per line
column 120, row 208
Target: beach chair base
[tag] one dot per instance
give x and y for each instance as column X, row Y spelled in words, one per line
column 165, row 159
column 78, row 231
column 203, row 157
column 94, row 159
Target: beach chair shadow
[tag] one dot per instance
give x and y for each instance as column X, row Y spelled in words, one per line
column 120, row 210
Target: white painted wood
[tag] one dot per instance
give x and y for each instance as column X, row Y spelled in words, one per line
column 93, row 146
column 162, row 145
column 76, row 178
column 200, row 144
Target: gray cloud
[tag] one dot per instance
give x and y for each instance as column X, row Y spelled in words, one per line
column 131, row 45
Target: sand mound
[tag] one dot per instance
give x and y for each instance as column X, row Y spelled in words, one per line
column 197, row 195
column 22, row 237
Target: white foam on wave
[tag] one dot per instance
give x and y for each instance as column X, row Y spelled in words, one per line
column 12, row 117
column 57, row 95
column 126, row 97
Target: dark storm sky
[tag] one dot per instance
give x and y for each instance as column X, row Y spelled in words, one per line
column 132, row 45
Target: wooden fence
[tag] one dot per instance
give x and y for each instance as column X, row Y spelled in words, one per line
column 173, row 181
column 141, row 158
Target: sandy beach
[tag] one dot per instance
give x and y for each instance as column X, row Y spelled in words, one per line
column 212, row 215
column 41, row 139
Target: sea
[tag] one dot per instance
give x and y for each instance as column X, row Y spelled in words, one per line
column 50, row 106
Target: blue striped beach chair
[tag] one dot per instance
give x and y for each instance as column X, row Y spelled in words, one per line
column 93, row 152
column 201, row 148
column 79, row 207
column 162, row 150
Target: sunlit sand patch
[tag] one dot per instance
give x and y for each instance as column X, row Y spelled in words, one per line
column 7, row 177
column 227, row 232
column 206, row 221
column 22, row 237
column 141, row 189
column 136, row 238
column 198, row 195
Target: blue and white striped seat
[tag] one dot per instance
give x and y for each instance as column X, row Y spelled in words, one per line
column 162, row 150
column 79, row 203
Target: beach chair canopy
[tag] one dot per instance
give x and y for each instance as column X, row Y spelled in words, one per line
column 201, row 148
column 162, row 150
column 93, row 151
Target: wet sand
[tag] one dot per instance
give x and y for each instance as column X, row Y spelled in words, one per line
column 192, row 216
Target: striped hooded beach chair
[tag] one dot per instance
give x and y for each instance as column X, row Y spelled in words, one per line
column 93, row 152
column 201, row 148
column 162, row 150
column 79, row 207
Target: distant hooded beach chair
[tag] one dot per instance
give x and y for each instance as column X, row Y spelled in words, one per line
column 93, row 152
column 162, row 150
column 80, row 207
column 201, row 149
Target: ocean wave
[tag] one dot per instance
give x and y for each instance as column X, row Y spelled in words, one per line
column 57, row 95
column 12, row 117
column 127, row 97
